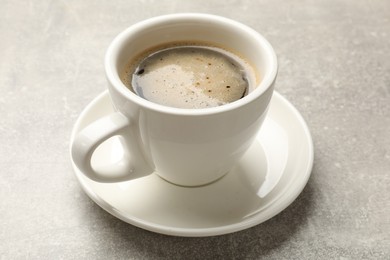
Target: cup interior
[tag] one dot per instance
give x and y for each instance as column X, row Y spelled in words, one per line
column 232, row 35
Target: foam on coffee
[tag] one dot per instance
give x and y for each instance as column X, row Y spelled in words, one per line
column 190, row 76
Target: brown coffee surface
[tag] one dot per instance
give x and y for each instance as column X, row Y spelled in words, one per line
column 190, row 77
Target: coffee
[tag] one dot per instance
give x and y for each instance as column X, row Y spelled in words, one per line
column 188, row 75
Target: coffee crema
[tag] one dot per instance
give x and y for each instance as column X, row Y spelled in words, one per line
column 189, row 75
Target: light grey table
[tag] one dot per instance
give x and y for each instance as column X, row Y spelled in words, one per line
column 334, row 59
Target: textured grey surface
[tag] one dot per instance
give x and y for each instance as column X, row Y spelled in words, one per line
column 334, row 67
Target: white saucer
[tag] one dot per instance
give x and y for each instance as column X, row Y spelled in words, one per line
column 270, row 176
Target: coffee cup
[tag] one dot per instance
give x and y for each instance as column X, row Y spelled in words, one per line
column 184, row 146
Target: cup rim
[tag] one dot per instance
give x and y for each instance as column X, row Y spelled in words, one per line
column 265, row 83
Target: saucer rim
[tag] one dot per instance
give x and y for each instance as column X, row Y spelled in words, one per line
column 289, row 193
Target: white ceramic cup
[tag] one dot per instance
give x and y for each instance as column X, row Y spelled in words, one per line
column 187, row 147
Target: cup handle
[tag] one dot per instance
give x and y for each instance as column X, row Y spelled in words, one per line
column 89, row 139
